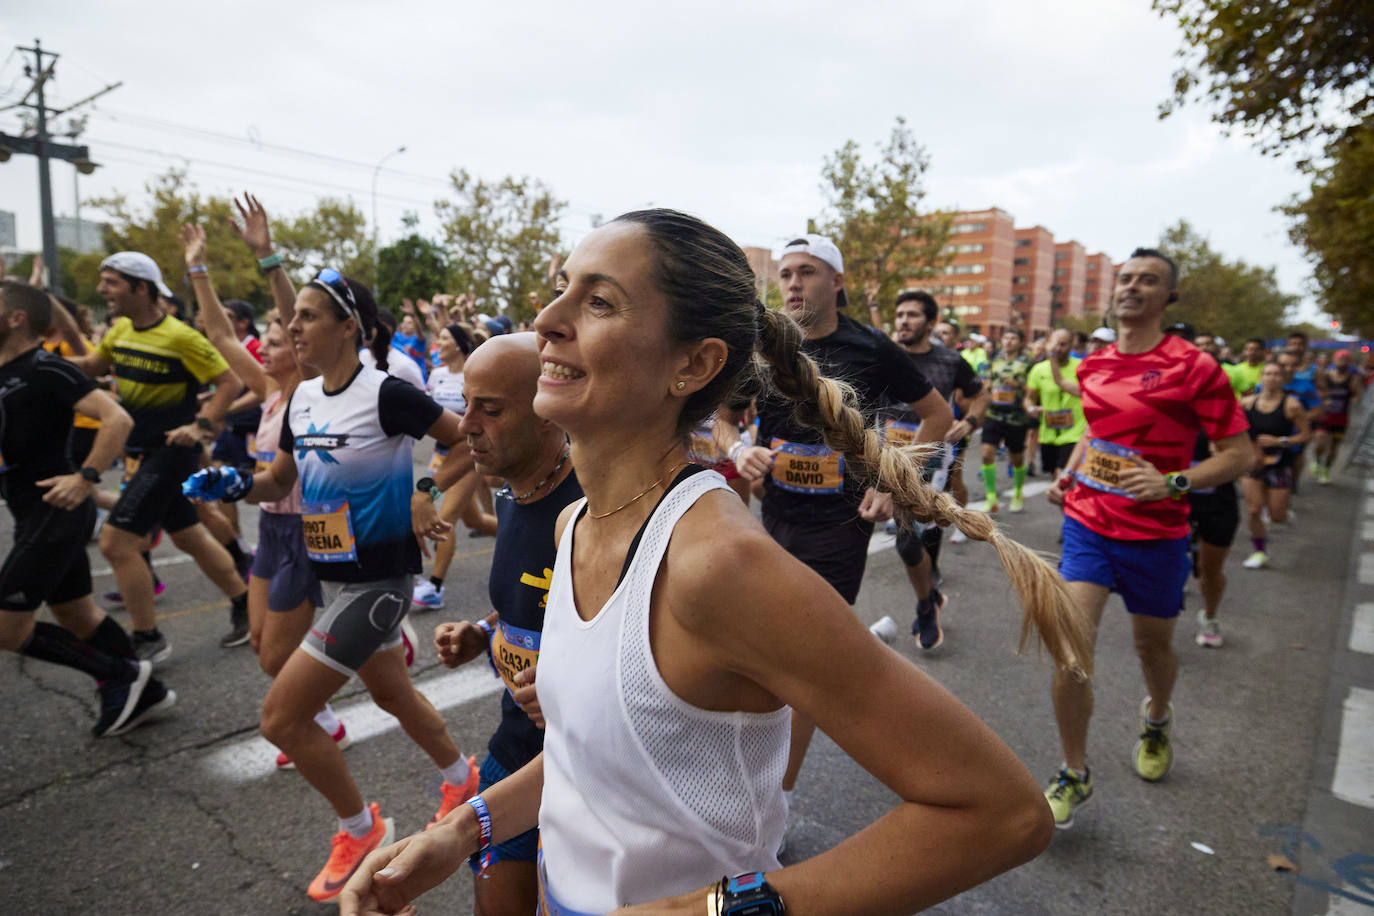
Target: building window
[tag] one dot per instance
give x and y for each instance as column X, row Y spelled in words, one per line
column 961, row 228
column 967, row 290
column 1017, row 281
column 1092, row 265
column 1021, row 262
column 1060, row 271
column 1056, row 289
column 1018, row 298
column 969, row 248
column 1023, row 243
column 1088, row 297
column 966, row 269
column 1060, row 255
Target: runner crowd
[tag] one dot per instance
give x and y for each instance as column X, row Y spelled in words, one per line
column 628, row 428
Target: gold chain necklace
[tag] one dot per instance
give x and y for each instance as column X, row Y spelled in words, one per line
column 667, row 475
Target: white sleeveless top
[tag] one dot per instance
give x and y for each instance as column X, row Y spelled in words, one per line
column 645, row 795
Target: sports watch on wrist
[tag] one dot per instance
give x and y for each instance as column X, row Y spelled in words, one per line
column 427, row 486
column 748, row 895
column 90, row 474
column 204, row 423
column 1177, row 484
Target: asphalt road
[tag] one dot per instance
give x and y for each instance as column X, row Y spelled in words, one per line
column 189, row 816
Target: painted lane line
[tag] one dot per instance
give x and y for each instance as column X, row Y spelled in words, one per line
column 1362, row 628
column 254, row 758
column 1354, row 779
column 158, row 563
column 1367, row 530
column 1366, row 571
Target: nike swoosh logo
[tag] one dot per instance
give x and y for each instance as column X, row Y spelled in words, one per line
column 332, row 886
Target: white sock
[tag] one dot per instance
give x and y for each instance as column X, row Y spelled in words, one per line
column 456, row 773
column 326, row 720
column 787, row 798
column 359, row 825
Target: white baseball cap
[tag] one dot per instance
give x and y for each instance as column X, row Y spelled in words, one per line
column 818, row 246
column 1106, row 335
column 822, row 249
column 136, row 264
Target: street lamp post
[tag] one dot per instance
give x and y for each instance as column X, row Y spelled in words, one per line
column 376, row 172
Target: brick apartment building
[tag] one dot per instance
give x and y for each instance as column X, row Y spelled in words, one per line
column 1001, row 276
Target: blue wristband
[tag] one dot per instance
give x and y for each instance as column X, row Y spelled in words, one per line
column 269, row 262
column 484, row 831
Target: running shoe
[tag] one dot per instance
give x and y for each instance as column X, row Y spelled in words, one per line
column 345, row 855
column 885, row 629
column 115, row 597
column 238, row 634
column 1208, row 631
column 156, row 700
column 926, row 627
column 1018, row 503
column 991, row 507
column 153, row 649
column 453, row 796
column 118, row 700
column 1257, row 560
column 957, row 537
column 340, row 738
column 409, row 639
column 1153, row 755
column 1066, row 793
column 427, row 597
column 1324, row 476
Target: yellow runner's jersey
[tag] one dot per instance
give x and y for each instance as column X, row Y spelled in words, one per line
column 158, row 371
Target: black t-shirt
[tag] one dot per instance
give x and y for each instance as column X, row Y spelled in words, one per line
column 37, row 393
column 816, row 488
column 1212, row 498
column 948, row 372
column 521, row 572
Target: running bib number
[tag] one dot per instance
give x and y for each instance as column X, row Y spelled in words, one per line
column 810, row 469
column 1004, row 394
column 1102, row 465
column 1058, row 419
column 513, row 650
column 435, row 460
column 899, row 433
column 329, row 532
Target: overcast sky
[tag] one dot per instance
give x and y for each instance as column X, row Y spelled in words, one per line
column 724, row 109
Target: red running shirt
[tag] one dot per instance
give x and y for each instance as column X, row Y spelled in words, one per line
column 1151, row 404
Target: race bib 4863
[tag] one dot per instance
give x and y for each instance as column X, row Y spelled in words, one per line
column 1102, row 465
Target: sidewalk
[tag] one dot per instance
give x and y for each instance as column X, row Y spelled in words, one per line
column 1335, row 847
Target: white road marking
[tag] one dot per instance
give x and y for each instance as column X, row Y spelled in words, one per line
column 1366, row 571
column 1354, row 779
column 250, row 759
column 1369, row 485
column 158, row 563
column 1362, row 628
column 1367, row 532
column 1369, row 506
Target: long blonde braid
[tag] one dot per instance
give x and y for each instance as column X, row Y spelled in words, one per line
column 828, row 406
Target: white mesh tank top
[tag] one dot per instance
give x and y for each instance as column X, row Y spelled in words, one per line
column 645, row 795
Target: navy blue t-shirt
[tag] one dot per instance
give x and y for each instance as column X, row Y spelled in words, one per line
column 521, row 573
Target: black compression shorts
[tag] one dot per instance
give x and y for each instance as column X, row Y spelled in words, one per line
column 838, row 552
column 153, row 494
column 48, row 561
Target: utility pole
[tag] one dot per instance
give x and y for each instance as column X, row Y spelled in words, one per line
column 41, row 146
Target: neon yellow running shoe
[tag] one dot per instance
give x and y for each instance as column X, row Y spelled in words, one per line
column 1018, row 503
column 1153, row 754
column 1066, row 793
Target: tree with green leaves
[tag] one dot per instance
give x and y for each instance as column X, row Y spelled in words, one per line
column 1219, row 296
column 413, row 267
column 1334, row 224
column 1295, row 75
column 500, row 237
column 1284, row 71
column 873, row 212
column 154, row 230
column 334, row 234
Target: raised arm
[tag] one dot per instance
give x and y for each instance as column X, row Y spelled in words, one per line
column 256, row 233
column 219, row 328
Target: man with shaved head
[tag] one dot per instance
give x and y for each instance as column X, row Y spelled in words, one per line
column 531, row 455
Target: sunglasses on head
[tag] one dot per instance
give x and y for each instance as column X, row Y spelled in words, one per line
column 332, row 282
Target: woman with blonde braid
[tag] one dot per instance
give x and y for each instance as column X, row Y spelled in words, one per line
column 666, row 698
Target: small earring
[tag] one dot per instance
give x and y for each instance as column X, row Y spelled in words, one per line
column 681, row 385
